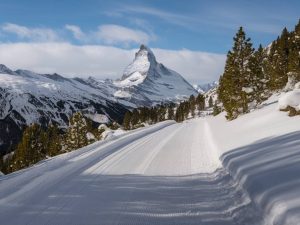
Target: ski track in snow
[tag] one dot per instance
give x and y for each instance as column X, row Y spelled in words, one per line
column 165, row 174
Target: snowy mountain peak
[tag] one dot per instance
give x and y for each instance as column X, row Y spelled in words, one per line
column 147, row 82
column 140, row 66
column 146, row 52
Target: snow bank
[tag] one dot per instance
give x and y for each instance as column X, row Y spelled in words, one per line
column 291, row 98
column 261, row 150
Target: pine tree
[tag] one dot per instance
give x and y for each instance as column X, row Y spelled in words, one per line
column 135, row 118
column 179, row 116
column 278, row 61
column 257, row 79
column 192, row 102
column 143, row 114
column 126, row 120
column 76, row 136
column 236, row 78
column 31, row 149
column 200, row 102
column 216, row 109
column 210, row 102
column 162, row 110
column 153, row 115
column 171, row 115
column 54, row 140
column 294, row 53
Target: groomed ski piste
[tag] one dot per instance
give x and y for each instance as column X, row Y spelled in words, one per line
column 201, row 171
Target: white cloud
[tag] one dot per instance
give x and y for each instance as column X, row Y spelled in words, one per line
column 115, row 34
column 197, row 67
column 76, row 31
column 111, row 34
column 31, row 34
column 105, row 62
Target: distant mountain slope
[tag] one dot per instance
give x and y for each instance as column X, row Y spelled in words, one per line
column 147, row 82
column 203, row 88
column 27, row 97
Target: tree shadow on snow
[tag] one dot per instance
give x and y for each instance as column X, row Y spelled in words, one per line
column 270, row 171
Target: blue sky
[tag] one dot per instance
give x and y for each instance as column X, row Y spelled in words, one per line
column 196, row 26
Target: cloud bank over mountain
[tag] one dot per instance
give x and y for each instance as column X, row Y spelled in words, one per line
column 103, row 61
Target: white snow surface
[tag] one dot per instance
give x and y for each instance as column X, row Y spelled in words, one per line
column 201, row 171
column 99, row 118
column 291, row 98
column 261, row 150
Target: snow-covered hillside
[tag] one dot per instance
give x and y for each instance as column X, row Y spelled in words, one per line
column 27, row 97
column 261, row 150
column 205, row 170
column 147, row 82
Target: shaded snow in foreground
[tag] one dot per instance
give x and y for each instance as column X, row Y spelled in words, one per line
column 261, row 150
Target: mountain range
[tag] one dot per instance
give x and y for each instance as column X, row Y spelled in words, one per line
column 203, row 88
column 27, row 97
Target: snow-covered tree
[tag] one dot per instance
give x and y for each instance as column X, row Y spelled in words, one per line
column 76, row 136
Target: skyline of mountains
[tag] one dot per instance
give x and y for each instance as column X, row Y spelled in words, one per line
column 27, row 97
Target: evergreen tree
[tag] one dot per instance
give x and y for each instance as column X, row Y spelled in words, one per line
column 258, row 79
column 153, row 115
column 171, row 115
column 162, row 110
column 192, row 102
column 126, row 120
column 236, row 78
column 135, row 118
column 179, row 116
column 31, row 149
column 210, row 102
column 216, row 109
column 200, row 102
column 76, row 136
column 294, row 53
column 279, row 61
column 54, row 140
column 143, row 114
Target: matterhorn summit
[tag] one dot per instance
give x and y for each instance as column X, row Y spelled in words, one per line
column 147, row 82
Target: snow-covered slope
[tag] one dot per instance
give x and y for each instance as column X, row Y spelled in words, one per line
column 261, row 150
column 27, row 97
column 169, row 173
column 146, row 82
column 149, row 176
